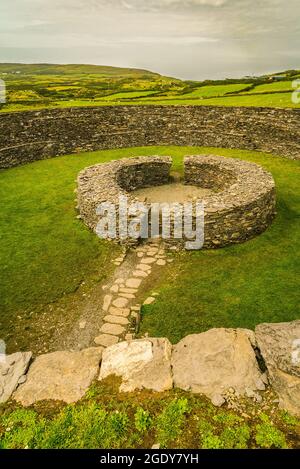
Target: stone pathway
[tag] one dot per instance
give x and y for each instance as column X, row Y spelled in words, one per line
column 110, row 313
column 119, row 304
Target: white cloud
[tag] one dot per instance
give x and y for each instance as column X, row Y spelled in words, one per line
column 190, row 38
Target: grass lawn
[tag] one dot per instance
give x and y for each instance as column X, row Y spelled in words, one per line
column 46, row 252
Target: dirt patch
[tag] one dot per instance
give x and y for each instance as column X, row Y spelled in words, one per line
column 168, row 193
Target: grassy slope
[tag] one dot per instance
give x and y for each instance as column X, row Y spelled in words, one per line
column 174, row 419
column 45, row 251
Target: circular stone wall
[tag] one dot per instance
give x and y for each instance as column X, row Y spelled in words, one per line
column 241, row 203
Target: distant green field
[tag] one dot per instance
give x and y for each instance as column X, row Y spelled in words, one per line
column 32, row 87
column 128, row 95
column 271, row 87
column 216, row 90
column 280, row 100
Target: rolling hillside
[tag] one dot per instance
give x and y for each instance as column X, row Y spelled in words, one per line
column 47, row 85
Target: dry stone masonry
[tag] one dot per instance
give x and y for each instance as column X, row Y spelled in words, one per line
column 36, row 135
column 218, row 363
column 241, row 206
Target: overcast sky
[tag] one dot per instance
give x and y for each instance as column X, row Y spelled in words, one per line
column 193, row 39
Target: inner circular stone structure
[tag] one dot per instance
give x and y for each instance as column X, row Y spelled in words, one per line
column 238, row 196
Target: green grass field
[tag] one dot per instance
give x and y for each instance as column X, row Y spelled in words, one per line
column 59, row 86
column 46, row 252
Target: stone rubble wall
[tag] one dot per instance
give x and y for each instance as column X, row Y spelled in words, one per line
column 242, row 206
column 218, row 363
column 35, row 135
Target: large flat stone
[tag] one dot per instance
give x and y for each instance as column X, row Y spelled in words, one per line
column 12, row 369
column 64, row 376
column 214, row 361
column 279, row 345
column 142, row 364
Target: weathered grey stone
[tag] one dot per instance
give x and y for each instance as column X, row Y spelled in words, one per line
column 142, row 364
column 116, row 319
column 140, row 273
column 144, row 267
column 161, row 262
column 214, row 361
column 106, row 302
column 279, row 345
column 148, row 260
column 105, row 340
column 119, row 311
column 129, row 296
column 64, row 376
column 149, row 300
column 113, row 329
column 133, row 283
column 12, row 369
column 120, row 302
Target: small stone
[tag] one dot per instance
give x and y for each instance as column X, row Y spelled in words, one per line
column 119, row 259
column 161, row 262
column 117, row 263
column 104, row 287
column 152, row 253
column 129, row 337
column 22, row 379
column 114, row 289
column 217, row 400
column 140, row 273
column 82, row 324
column 140, row 254
column 154, row 294
column 156, row 446
column 128, row 290
column 149, row 300
column 119, row 281
column 116, row 320
column 130, row 296
column 133, row 283
column 148, row 260
column 120, row 302
column 170, row 260
column 106, row 302
column 113, row 329
column 135, row 308
column 144, row 267
column 119, row 311
column 106, row 340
